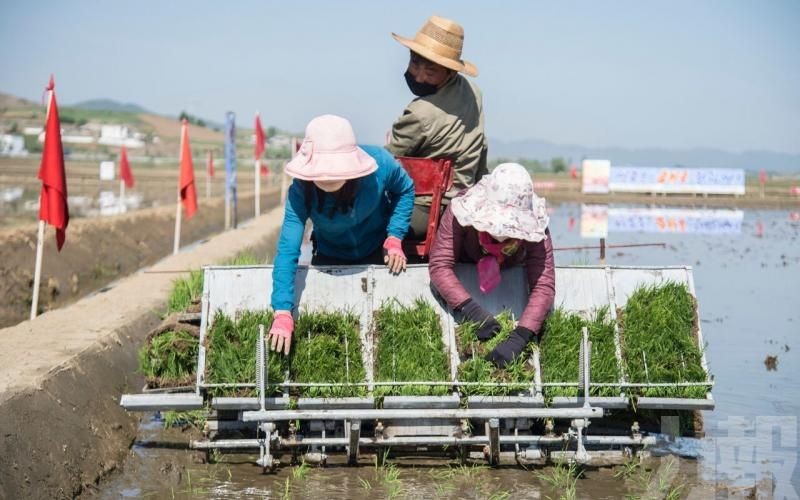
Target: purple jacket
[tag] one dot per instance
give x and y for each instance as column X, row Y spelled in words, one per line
column 455, row 243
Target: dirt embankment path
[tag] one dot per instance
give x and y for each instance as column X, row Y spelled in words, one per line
column 99, row 251
column 62, row 374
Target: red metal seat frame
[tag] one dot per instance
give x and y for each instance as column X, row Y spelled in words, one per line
column 432, row 177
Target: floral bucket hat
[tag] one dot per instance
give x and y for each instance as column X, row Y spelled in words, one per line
column 504, row 205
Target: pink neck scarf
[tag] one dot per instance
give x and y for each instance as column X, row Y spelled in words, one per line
column 489, row 266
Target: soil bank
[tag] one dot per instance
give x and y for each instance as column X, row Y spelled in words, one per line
column 61, row 375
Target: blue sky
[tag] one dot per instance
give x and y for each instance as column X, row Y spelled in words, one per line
column 672, row 74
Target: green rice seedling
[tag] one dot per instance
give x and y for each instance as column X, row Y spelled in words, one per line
column 246, row 258
column 185, row 419
column 231, row 354
column 563, row 478
column 410, row 347
column 560, row 350
column 301, row 471
column 169, row 359
column 185, row 291
column 659, row 325
column 327, row 348
column 475, row 368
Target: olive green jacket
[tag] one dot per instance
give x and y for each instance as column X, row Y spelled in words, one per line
column 448, row 123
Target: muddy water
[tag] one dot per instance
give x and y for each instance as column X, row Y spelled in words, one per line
column 747, row 280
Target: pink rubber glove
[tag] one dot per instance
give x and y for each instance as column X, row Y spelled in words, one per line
column 393, row 255
column 280, row 334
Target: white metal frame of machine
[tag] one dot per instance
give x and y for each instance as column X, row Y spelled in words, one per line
column 408, row 421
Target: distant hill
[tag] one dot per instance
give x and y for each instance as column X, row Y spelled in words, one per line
column 12, row 102
column 652, row 157
column 110, row 105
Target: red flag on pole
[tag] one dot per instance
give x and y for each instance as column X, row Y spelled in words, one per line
column 210, row 164
column 53, row 207
column 260, row 139
column 187, row 187
column 125, row 168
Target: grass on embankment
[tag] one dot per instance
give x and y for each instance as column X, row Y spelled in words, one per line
column 187, row 291
column 658, row 334
column 409, row 347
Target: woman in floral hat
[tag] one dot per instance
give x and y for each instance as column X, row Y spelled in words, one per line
column 499, row 222
column 359, row 200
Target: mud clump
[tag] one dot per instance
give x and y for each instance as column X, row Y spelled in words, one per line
column 771, row 362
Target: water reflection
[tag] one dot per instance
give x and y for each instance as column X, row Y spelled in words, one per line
column 597, row 221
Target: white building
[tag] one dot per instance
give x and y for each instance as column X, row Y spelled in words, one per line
column 71, row 137
column 32, row 130
column 12, row 145
column 279, row 141
column 77, row 139
column 119, row 135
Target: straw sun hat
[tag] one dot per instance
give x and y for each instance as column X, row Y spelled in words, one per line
column 329, row 152
column 503, row 204
column 440, row 40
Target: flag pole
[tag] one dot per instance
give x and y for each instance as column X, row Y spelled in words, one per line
column 177, row 242
column 208, row 175
column 37, row 269
column 121, row 195
column 258, row 134
column 37, row 273
column 258, row 187
column 284, row 177
column 227, row 210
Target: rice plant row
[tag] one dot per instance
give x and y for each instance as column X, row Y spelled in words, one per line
column 231, row 354
column 409, row 347
column 657, row 330
column 560, row 349
column 659, row 340
column 327, row 348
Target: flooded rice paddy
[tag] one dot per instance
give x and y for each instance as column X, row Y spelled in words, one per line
column 746, row 268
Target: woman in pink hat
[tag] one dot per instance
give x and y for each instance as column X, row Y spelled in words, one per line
column 359, row 200
column 499, row 222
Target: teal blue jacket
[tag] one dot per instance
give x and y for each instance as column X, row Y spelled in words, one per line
column 382, row 207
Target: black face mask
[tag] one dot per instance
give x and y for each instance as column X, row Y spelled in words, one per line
column 419, row 89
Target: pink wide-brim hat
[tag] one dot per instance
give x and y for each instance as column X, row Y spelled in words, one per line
column 503, row 204
column 329, row 152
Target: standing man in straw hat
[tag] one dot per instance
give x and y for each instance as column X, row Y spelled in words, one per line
column 446, row 117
